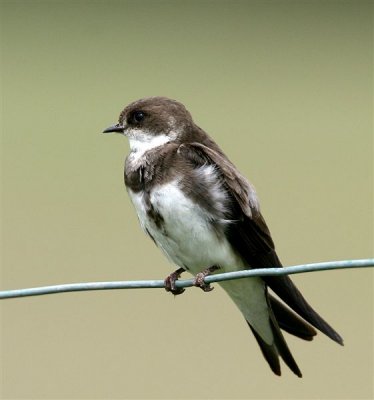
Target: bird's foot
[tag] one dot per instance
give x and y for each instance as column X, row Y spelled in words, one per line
column 170, row 282
column 199, row 279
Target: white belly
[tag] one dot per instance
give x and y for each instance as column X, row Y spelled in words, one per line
column 188, row 238
column 189, row 241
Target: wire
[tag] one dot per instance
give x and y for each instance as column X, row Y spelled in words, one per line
column 152, row 284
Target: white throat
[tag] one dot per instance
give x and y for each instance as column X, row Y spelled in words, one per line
column 141, row 142
column 141, row 146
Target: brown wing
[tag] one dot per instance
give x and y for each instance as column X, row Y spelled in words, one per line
column 248, row 234
column 250, row 237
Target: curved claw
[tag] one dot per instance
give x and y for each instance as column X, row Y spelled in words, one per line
column 199, row 279
column 170, row 282
column 199, row 282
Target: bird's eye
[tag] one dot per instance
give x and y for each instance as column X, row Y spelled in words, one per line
column 138, row 116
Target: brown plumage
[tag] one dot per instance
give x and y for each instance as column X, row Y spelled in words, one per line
column 188, row 193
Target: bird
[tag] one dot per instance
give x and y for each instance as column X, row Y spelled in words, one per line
column 205, row 216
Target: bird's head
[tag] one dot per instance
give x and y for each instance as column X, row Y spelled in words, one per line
column 153, row 121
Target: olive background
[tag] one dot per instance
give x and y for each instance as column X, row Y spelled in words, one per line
column 285, row 88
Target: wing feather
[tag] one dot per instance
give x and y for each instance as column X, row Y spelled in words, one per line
column 249, row 234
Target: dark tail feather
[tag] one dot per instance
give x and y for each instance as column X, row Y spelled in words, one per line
column 251, row 238
column 269, row 352
column 282, row 347
column 279, row 347
column 290, row 294
column 290, row 322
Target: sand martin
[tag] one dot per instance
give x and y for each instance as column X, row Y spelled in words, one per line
column 205, row 216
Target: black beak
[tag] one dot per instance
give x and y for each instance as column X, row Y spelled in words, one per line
column 118, row 128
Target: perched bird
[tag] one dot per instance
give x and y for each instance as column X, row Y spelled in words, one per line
column 205, row 216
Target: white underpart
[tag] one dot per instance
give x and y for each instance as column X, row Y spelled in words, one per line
column 208, row 175
column 142, row 141
column 190, row 241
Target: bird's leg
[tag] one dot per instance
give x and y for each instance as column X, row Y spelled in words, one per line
column 170, row 282
column 199, row 278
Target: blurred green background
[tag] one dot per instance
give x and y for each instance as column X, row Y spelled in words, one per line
column 285, row 87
